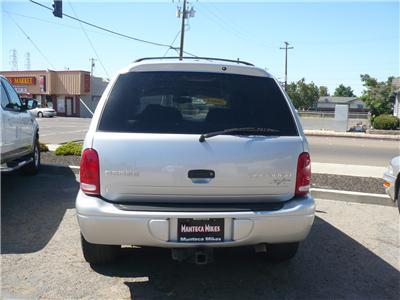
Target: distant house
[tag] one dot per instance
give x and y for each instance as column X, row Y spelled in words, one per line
column 329, row 102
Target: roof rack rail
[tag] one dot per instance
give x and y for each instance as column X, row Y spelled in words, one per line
column 196, row 57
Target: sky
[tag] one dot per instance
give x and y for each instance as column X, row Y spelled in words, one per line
column 334, row 41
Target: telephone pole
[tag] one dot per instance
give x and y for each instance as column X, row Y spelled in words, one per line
column 14, row 59
column 286, row 48
column 92, row 65
column 184, row 14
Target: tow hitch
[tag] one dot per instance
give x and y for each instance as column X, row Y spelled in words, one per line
column 199, row 256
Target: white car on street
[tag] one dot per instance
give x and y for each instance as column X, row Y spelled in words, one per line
column 38, row 111
column 392, row 180
column 191, row 155
column 19, row 145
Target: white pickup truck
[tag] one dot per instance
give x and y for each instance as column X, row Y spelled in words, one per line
column 19, row 145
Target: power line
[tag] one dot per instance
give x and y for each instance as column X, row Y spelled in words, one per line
column 112, row 31
column 171, row 45
column 228, row 27
column 103, row 28
column 76, row 28
column 90, row 42
column 33, row 43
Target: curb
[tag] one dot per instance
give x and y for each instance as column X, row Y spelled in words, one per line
column 348, row 196
column 327, row 133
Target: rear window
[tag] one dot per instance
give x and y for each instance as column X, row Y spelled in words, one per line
column 194, row 103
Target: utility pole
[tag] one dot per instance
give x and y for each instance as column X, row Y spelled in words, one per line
column 14, row 59
column 184, row 14
column 27, row 61
column 92, row 65
column 286, row 48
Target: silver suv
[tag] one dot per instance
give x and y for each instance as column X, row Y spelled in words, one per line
column 191, row 155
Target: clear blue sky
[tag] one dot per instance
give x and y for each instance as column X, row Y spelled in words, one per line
column 334, row 42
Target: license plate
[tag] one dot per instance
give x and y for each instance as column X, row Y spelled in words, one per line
column 200, row 231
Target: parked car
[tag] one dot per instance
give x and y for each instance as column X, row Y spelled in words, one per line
column 39, row 111
column 19, row 146
column 392, row 180
column 191, row 155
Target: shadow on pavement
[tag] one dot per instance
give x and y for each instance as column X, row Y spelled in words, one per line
column 329, row 264
column 32, row 207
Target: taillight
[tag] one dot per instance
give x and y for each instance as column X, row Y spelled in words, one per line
column 90, row 172
column 303, row 179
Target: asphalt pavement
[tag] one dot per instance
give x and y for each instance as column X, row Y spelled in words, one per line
column 59, row 130
column 352, row 252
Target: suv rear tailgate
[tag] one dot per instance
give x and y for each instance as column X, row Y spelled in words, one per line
column 137, row 167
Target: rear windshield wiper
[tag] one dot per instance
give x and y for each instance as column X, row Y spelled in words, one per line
column 204, row 136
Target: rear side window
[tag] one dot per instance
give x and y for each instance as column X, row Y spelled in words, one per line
column 4, row 97
column 194, row 103
column 15, row 102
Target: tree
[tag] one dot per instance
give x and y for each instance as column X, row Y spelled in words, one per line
column 379, row 96
column 303, row 95
column 323, row 91
column 343, row 91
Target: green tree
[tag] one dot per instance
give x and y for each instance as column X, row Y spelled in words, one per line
column 379, row 96
column 303, row 95
column 343, row 91
column 323, row 91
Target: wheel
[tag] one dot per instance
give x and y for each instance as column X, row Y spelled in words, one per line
column 281, row 252
column 40, row 114
column 99, row 254
column 33, row 167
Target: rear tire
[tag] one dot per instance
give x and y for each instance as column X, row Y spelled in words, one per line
column 281, row 252
column 33, row 167
column 40, row 114
column 398, row 195
column 99, row 254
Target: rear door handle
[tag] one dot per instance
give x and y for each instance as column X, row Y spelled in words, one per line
column 201, row 174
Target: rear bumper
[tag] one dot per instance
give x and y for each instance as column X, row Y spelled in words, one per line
column 49, row 114
column 103, row 223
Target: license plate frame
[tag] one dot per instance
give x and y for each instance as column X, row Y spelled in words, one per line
column 209, row 230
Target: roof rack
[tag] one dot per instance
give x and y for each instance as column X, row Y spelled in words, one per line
column 197, row 57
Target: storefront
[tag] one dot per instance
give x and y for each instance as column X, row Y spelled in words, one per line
column 61, row 90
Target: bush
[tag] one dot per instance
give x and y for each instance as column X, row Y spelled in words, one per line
column 43, row 147
column 70, row 148
column 386, row 122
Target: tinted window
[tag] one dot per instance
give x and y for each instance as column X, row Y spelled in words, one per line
column 13, row 96
column 188, row 102
column 4, row 97
column 32, row 103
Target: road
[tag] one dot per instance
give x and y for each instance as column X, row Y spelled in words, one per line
column 59, row 130
column 348, row 254
column 352, row 151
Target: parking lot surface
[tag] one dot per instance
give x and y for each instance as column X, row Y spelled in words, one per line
column 59, row 130
column 352, row 252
